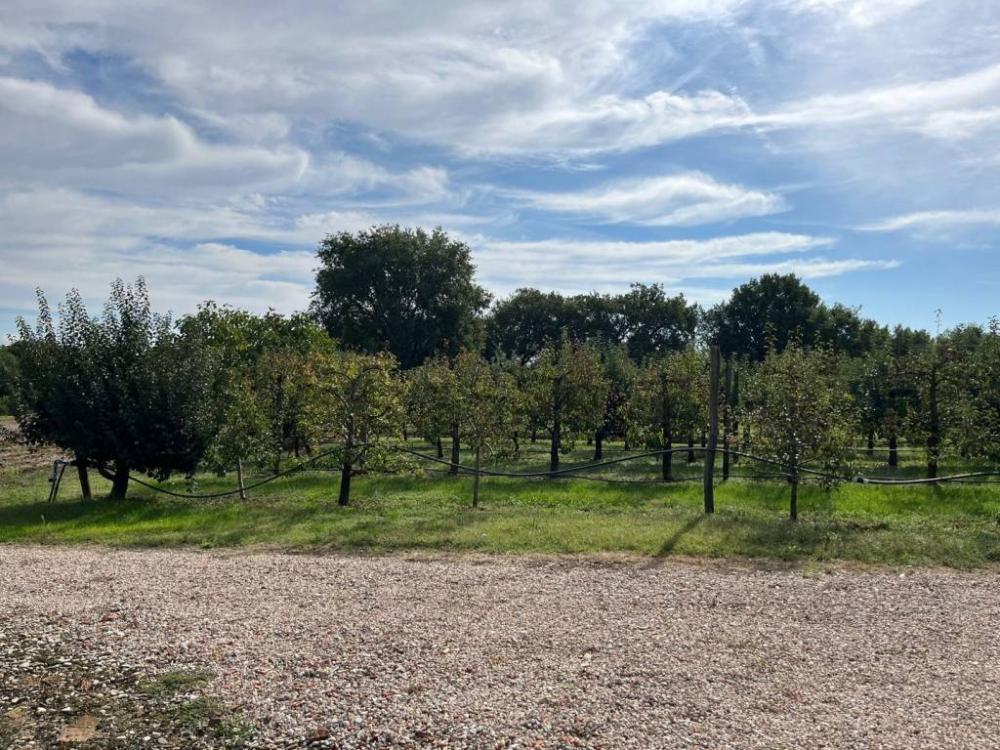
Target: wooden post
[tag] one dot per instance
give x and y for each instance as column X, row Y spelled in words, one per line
column 713, row 428
column 475, row 479
column 727, row 422
column 239, row 478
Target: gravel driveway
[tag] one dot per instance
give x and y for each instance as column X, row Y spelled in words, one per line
column 484, row 652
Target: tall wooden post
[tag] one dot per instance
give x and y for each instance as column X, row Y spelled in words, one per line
column 713, row 428
column 475, row 478
column 239, row 478
column 727, row 422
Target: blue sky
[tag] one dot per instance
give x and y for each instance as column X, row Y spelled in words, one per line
column 575, row 146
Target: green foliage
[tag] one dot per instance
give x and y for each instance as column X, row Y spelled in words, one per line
column 772, row 311
column 432, row 403
column 800, row 412
column 620, row 417
column 399, row 290
column 644, row 320
column 983, row 397
column 362, row 404
column 263, row 398
column 10, row 369
column 489, row 403
column 671, row 400
column 125, row 390
column 566, row 392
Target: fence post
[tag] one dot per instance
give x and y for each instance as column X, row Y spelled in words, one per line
column 713, row 428
column 239, row 478
column 727, row 421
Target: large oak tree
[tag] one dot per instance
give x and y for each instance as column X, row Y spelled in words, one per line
column 399, row 290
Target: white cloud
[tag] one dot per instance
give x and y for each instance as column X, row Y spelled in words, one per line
column 937, row 220
column 683, row 199
column 578, row 266
column 47, row 131
column 550, row 78
column 863, row 13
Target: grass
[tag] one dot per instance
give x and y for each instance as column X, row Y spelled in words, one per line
column 954, row 525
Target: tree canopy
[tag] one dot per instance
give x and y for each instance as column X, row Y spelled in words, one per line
column 399, row 290
column 126, row 391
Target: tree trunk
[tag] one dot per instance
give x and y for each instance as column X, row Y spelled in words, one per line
column 556, row 445
column 440, row 446
column 534, row 435
column 119, row 483
column 517, row 444
column 871, row 443
column 344, row 498
column 893, row 452
column 239, row 478
column 475, row 479
column 691, row 458
column 599, row 445
column 456, row 450
column 81, row 471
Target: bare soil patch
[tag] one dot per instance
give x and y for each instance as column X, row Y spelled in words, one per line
column 17, row 457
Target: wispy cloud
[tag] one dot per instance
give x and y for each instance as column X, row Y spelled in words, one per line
column 936, row 220
column 684, row 199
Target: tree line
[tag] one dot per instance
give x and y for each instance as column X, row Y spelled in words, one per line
column 399, row 341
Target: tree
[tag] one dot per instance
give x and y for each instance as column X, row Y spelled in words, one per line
column 265, row 390
column 489, row 403
column 567, row 392
column 9, row 374
column 800, row 412
column 125, row 390
column 362, row 405
column 399, row 290
column 433, row 405
column 768, row 313
column 654, row 324
column 618, row 417
column 522, row 325
column 644, row 319
column 671, row 397
column 939, row 408
column 983, row 385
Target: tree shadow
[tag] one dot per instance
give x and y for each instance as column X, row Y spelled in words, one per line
column 672, row 541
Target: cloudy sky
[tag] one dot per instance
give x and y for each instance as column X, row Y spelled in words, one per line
column 574, row 145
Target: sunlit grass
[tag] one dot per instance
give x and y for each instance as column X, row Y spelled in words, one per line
column 957, row 525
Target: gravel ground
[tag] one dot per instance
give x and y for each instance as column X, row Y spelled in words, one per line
column 534, row 652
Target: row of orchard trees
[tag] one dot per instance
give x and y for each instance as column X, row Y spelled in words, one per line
column 130, row 391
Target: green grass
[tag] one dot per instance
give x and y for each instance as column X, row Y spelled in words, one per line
column 955, row 525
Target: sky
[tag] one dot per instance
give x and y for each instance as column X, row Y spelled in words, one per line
column 575, row 146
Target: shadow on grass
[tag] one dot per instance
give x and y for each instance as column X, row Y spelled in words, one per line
column 671, row 542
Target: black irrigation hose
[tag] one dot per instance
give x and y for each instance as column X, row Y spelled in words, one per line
column 216, row 495
column 538, row 474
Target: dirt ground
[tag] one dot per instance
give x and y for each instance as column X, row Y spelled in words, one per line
column 16, row 457
column 527, row 652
